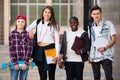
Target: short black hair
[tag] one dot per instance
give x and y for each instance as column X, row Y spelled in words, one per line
column 95, row 8
column 75, row 18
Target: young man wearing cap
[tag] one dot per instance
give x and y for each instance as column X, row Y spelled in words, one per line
column 103, row 37
column 20, row 49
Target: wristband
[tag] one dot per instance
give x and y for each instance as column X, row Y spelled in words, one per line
column 104, row 49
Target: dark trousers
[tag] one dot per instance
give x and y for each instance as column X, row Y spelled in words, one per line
column 40, row 60
column 74, row 70
column 43, row 72
column 107, row 67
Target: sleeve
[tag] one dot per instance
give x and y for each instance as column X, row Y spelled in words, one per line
column 63, row 44
column 29, row 50
column 31, row 26
column 57, row 42
column 12, row 53
column 86, row 47
column 112, row 29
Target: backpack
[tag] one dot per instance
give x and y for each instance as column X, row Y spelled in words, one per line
column 35, row 39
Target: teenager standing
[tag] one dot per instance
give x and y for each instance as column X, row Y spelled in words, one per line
column 20, row 49
column 47, row 37
column 103, row 37
column 74, row 59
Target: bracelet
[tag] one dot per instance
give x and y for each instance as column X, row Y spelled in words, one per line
column 104, row 49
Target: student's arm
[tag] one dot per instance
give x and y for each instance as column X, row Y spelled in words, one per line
column 86, row 42
column 12, row 53
column 113, row 37
column 62, row 57
column 112, row 41
column 63, row 48
column 31, row 26
column 57, row 42
column 29, row 50
column 30, row 29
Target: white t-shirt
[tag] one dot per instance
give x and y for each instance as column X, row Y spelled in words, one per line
column 71, row 56
column 45, row 33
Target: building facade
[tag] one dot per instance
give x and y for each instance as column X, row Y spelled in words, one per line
column 64, row 9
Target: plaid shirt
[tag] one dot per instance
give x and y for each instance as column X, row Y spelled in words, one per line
column 20, row 47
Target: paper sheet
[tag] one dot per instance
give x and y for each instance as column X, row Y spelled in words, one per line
column 100, row 42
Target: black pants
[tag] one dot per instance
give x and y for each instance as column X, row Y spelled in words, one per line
column 43, row 72
column 74, row 70
column 40, row 60
column 107, row 67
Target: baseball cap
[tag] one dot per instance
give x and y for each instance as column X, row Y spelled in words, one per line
column 20, row 16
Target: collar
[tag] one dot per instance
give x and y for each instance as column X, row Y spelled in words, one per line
column 103, row 22
column 19, row 32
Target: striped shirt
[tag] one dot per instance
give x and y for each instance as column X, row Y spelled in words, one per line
column 20, row 47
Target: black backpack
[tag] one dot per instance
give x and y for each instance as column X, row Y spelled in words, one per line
column 35, row 39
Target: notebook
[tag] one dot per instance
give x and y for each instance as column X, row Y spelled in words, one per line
column 77, row 44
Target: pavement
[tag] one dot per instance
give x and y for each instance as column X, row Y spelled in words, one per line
column 60, row 73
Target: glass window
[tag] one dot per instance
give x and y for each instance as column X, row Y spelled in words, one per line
column 57, row 13
column 32, row 13
column 22, row 10
column 14, row 12
column 40, row 8
column 32, row 1
column 64, row 15
column 14, row 1
column 71, row 10
column 41, row 1
column 64, row 1
column 62, row 8
column 74, row 1
column 71, row 1
column 56, row 1
column 22, row 1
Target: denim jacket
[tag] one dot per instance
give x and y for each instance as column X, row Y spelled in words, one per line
column 105, row 31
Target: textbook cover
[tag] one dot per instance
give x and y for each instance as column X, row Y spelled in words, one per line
column 77, row 44
column 50, row 55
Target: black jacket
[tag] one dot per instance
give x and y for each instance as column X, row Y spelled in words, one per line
column 85, row 49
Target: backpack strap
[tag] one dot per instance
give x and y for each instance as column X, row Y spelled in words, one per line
column 90, row 25
column 37, row 22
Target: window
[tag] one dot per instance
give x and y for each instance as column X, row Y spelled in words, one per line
column 63, row 9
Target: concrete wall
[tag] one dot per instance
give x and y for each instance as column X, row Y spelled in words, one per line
column 1, row 21
column 6, row 20
column 111, row 10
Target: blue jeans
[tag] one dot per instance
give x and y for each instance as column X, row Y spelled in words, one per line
column 21, row 73
column 74, row 70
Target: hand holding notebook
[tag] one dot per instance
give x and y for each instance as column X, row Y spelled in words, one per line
column 77, row 44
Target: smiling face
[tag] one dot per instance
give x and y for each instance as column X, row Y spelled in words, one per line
column 20, row 24
column 74, row 24
column 96, row 15
column 47, row 14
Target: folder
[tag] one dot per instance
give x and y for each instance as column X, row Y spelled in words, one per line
column 77, row 44
column 50, row 55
